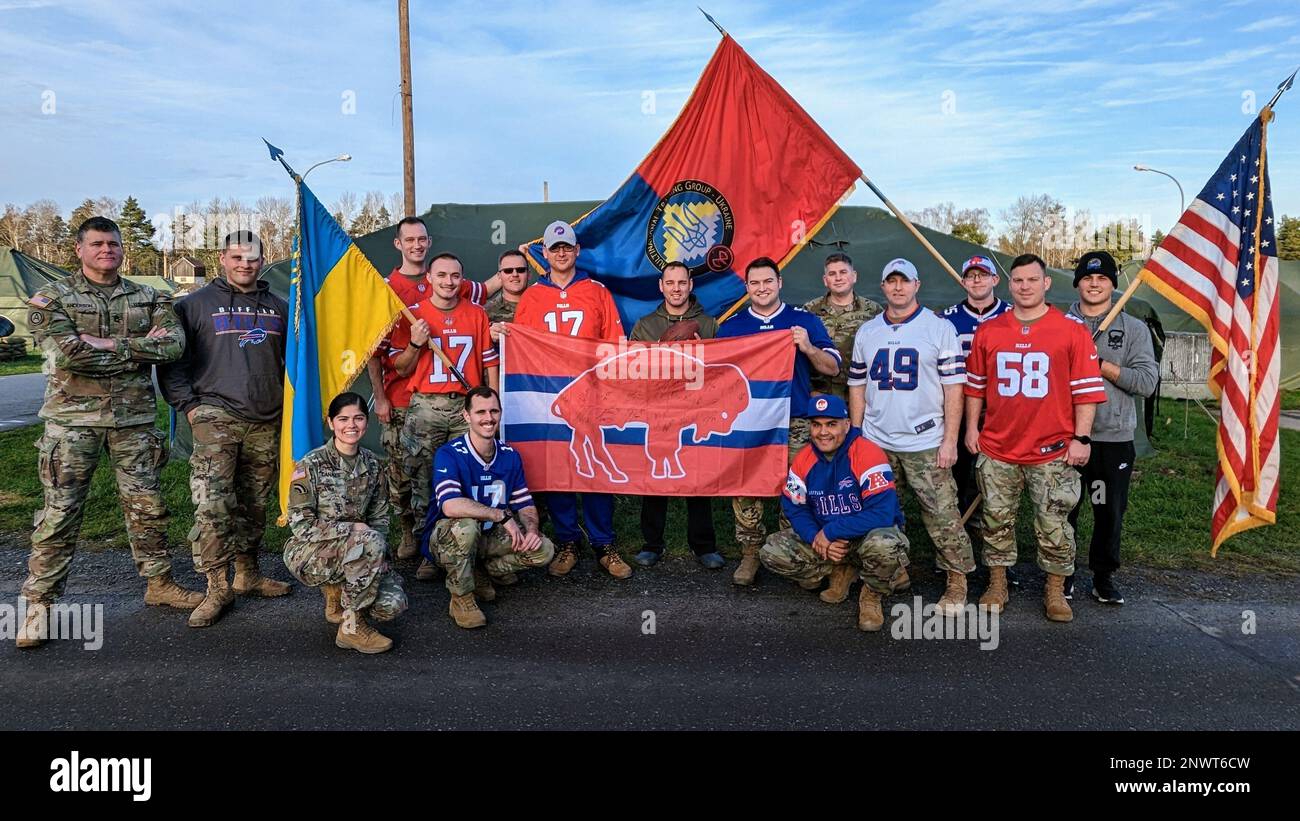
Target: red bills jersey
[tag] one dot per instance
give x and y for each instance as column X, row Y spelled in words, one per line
column 1030, row 378
column 462, row 333
column 413, row 290
column 583, row 309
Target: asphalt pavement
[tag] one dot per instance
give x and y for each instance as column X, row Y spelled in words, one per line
column 576, row 653
column 21, row 396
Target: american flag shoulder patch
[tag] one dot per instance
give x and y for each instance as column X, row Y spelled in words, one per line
column 39, row 301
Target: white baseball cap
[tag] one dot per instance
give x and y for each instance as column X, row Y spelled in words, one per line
column 899, row 266
column 559, row 231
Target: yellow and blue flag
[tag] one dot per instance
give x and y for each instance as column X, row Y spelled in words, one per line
column 341, row 310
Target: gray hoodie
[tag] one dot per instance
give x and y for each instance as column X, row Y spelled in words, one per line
column 1126, row 343
column 234, row 352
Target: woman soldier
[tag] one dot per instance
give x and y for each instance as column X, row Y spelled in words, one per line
column 338, row 512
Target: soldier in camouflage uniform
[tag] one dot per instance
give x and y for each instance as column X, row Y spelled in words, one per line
column 842, row 312
column 338, row 512
column 230, row 386
column 100, row 335
column 512, row 267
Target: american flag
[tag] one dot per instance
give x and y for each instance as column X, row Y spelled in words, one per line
column 1219, row 264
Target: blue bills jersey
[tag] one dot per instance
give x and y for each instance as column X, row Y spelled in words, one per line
column 746, row 322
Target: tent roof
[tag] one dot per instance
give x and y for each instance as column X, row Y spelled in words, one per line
column 20, row 277
column 871, row 236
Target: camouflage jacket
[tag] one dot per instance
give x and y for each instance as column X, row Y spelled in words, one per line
column 325, row 500
column 842, row 324
column 104, row 389
column 498, row 310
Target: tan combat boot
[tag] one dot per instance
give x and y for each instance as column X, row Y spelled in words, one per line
column 249, row 581
column 748, row 568
column 811, row 584
column 901, row 581
column 426, row 572
column 566, row 556
column 996, row 597
column 842, row 576
column 464, row 611
column 953, row 600
column 870, row 616
column 1054, row 603
column 407, row 549
column 36, row 625
column 355, row 633
column 333, row 594
column 614, row 563
column 162, row 590
column 483, row 588
column 218, row 598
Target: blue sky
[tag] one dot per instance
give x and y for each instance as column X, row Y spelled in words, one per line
column 967, row 101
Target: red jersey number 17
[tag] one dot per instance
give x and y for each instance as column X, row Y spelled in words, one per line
column 458, row 348
column 571, row 320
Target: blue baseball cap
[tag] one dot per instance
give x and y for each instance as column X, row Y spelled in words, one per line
column 827, row 406
column 983, row 263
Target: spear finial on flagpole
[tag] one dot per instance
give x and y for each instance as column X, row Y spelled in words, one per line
column 1282, row 87
column 277, row 154
column 708, row 17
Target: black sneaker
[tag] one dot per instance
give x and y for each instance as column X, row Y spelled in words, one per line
column 1069, row 587
column 1105, row 591
column 1013, row 578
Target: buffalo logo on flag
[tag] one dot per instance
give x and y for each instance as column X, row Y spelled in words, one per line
column 706, row 418
column 692, row 224
column 610, row 396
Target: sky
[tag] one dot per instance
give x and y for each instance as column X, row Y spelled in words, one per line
column 970, row 101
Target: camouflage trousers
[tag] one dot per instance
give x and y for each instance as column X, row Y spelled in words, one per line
column 459, row 543
column 359, row 562
column 748, row 510
column 881, row 556
column 232, row 470
column 68, row 456
column 432, row 420
column 399, row 483
column 936, row 492
column 1054, row 490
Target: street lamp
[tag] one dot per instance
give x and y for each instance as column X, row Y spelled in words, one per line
column 339, row 158
column 1182, row 200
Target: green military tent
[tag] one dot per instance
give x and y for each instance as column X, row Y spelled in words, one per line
column 20, row 277
column 871, row 236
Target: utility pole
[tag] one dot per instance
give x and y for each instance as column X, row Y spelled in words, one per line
column 546, row 191
column 408, row 116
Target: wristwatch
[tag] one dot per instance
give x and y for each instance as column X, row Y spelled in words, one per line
column 1084, row 440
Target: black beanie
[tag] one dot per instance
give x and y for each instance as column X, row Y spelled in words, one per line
column 1097, row 262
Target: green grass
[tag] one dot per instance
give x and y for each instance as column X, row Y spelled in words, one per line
column 30, row 363
column 1291, row 400
column 1167, row 525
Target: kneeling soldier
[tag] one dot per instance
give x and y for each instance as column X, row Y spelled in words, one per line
column 844, row 515
column 338, row 512
column 477, row 483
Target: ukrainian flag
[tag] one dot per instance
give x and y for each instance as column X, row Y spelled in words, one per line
column 341, row 309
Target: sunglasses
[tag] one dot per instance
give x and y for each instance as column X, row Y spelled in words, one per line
column 514, row 270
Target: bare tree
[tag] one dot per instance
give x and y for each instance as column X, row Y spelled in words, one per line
column 345, row 208
column 275, row 226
